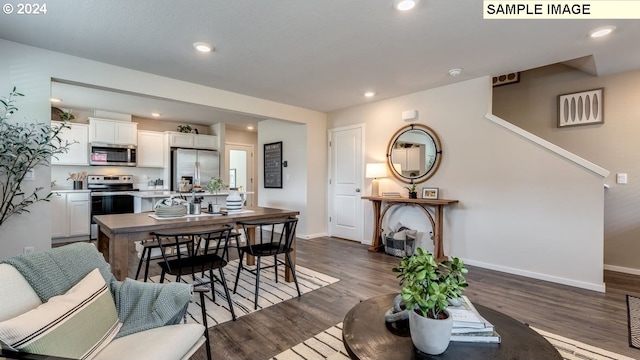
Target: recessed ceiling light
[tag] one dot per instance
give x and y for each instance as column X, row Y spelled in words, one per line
column 249, row 127
column 455, row 72
column 370, row 93
column 55, row 100
column 155, row 114
column 601, row 31
column 203, row 47
column 404, row 5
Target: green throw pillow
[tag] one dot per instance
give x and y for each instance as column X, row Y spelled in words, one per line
column 75, row 325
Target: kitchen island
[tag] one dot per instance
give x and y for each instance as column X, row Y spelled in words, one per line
column 145, row 200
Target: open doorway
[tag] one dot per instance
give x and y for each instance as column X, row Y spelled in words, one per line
column 240, row 159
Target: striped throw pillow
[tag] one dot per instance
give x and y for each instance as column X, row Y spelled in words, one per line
column 75, row 325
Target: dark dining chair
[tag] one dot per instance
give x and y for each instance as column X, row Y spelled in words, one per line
column 270, row 238
column 202, row 259
column 151, row 251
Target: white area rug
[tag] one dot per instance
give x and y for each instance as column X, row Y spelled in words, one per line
column 575, row 350
column 328, row 345
column 270, row 292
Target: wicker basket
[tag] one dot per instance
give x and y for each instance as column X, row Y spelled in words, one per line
column 399, row 248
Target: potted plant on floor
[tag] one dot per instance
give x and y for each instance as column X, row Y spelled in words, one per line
column 24, row 147
column 428, row 286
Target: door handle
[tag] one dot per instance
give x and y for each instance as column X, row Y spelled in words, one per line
column 357, row 189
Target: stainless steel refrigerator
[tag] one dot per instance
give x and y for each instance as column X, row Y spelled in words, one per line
column 189, row 163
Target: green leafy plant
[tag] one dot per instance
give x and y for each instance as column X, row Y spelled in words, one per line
column 23, row 146
column 411, row 188
column 67, row 116
column 184, row 128
column 215, row 185
column 429, row 284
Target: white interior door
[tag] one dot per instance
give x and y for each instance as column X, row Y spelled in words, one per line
column 345, row 215
column 239, row 158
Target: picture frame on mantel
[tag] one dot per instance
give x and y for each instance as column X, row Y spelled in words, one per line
column 430, row 193
column 581, row 108
column 273, row 165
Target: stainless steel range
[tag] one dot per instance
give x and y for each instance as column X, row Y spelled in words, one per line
column 110, row 194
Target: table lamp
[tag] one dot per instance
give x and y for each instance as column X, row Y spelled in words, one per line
column 375, row 171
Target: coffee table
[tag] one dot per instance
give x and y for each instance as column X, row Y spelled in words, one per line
column 366, row 337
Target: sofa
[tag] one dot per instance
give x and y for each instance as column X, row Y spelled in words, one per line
column 19, row 301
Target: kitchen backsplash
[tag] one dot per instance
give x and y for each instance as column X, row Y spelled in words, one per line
column 141, row 176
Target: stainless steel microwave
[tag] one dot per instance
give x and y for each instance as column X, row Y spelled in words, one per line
column 112, row 154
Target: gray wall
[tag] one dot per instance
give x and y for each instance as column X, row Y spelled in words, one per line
column 516, row 212
column 532, row 105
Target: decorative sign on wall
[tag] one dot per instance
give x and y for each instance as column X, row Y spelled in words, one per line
column 581, row 108
column 505, row 79
column 273, row 165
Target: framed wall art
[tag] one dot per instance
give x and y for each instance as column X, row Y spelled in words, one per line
column 430, row 193
column 506, row 79
column 273, row 165
column 581, row 108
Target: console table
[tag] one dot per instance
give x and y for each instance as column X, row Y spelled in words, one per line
column 366, row 336
column 436, row 219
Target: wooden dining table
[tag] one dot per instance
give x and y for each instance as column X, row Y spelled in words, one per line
column 117, row 231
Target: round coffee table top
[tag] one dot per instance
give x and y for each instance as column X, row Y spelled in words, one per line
column 366, row 337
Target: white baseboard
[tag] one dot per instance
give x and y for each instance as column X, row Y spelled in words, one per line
column 310, row 236
column 622, row 269
column 534, row 275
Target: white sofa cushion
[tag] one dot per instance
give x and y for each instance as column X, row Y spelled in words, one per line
column 77, row 324
column 16, row 295
column 165, row 343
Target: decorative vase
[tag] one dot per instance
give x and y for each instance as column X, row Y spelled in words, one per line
column 431, row 336
column 234, row 200
column 413, row 195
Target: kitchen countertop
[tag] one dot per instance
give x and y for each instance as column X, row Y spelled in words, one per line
column 166, row 193
column 63, row 190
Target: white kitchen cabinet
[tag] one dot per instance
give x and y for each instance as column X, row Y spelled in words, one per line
column 113, row 131
column 193, row 141
column 145, row 204
column 205, row 142
column 59, row 225
column 415, row 159
column 183, row 140
column 399, row 158
column 410, row 159
column 151, row 151
column 78, row 153
column 70, row 214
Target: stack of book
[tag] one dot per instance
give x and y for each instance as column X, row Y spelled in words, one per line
column 470, row 326
column 390, row 194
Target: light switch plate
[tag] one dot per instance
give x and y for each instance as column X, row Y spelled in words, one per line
column 30, row 175
column 621, row 178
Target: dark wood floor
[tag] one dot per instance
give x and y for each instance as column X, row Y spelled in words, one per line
column 598, row 319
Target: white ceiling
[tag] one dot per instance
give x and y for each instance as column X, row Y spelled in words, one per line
column 75, row 96
column 316, row 54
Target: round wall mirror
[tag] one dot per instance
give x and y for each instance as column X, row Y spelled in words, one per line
column 414, row 153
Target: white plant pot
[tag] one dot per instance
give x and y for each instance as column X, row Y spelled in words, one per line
column 430, row 336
